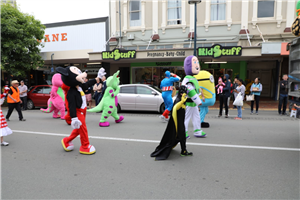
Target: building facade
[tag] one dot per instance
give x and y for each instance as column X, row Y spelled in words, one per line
column 161, row 33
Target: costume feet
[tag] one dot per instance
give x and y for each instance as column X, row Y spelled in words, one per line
column 205, row 125
column 89, row 150
column 200, row 134
column 187, row 136
column 104, row 124
column 56, row 116
column 120, row 119
column 186, row 153
column 163, row 118
column 67, row 146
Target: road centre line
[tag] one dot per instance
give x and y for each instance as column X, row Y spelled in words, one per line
column 156, row 141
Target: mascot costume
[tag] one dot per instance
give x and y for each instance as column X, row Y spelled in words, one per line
column 207, row 84
column 67, row 116
column 74, row 78
column 175, row 131
column 296, row 23
column 56, row 102
column 109, row 102
column 192, row 67
column 167, row 89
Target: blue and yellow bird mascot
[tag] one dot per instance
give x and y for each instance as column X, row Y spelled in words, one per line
column 207, row 84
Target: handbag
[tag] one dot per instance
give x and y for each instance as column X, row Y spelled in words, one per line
column 250, row 97
column 238, row 100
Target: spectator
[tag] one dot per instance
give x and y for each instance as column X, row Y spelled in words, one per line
column 23, row 95
column 103, row 87
column 97, row 91
column 239, row 89
column 223, row 97
column 256, row 89
column 88, row 95
column 283, row 95
column 234, row 85
column 13, row 100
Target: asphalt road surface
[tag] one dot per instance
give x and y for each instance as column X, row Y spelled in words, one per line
column 256, row 158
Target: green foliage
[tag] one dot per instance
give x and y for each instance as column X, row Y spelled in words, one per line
column 19, row 46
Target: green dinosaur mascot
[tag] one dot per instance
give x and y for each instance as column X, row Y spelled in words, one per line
column 109, row 103
column 296, row 24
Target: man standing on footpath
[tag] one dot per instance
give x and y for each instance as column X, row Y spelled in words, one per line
column 13, row 100
column 283, row 94
column 23, row 94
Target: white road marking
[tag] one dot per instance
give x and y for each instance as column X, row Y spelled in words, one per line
column 157, row 141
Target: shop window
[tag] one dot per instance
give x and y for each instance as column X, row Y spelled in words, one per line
column 204, row 45
column 127, row 90
column 231, row 44
column 174, row 12
column 145, row 47
column 130, row 48
column 217, row 10
column 144, row 90
column 135, row 12
column 164, row 46
column 265, row 8
column 187, row 46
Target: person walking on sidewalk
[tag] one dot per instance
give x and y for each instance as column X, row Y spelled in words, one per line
column 256, row 89
column 13, row 100
column 223, row 97
column 283, row 94
column 23, row 94
column 239, row 89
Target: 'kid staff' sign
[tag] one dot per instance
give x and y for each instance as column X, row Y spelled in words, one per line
column 117, row 54
column 216, row 51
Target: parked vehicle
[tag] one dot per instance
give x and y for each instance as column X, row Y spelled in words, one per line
column 140, row 97
column 38, row 96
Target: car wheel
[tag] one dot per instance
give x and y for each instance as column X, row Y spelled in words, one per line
column 162, row 108
column 119, row 108
column 30, row 105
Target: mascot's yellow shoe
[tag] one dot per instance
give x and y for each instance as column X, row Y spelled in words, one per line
column 89, row 150
column 67, row 146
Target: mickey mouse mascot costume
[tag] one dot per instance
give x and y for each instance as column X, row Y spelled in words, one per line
column 74, row 78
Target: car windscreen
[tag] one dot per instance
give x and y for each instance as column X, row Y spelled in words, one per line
column 155, row 88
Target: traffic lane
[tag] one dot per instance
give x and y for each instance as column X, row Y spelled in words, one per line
column 122, row 169
column 261, row 132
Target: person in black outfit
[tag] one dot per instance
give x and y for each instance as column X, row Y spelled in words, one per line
column 103, row 88
column 283, row 95
column 175, row 131
column 234, row 87
column 223, row 97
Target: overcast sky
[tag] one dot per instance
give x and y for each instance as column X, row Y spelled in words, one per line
column 64, row 10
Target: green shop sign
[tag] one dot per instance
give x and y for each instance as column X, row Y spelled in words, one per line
column 216, row 51
column 117, row 54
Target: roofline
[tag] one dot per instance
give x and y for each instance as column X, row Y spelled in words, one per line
column 77, row 22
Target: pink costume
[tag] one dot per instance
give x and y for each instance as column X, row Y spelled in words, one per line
column 56, row 102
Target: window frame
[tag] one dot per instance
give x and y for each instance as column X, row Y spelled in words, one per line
column 176, row 20
column 266, row 18
column 222, row 20
column 135, row 11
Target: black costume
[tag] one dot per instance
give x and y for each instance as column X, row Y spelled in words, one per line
column 175, row 131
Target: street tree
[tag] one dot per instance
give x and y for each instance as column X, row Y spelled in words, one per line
column 20, row 47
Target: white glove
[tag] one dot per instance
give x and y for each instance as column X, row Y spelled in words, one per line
column 76, row 123
column 101, row 72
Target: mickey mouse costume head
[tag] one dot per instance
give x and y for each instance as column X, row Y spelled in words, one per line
column 74, row 78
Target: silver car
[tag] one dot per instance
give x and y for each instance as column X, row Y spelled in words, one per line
column 140, row 97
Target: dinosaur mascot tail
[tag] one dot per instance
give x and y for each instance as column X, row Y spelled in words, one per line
column 49, row 108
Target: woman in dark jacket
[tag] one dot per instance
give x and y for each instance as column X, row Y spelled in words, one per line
column 223, row 97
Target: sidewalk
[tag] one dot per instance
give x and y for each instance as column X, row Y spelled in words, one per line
column 263, row 105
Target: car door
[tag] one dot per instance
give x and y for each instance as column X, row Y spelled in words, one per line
column 37, row 96
column 46, row 92
column 127, row 97
column 145, row 99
